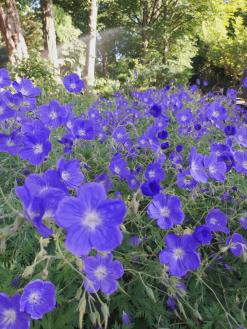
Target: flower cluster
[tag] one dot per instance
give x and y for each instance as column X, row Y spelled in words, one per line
column 165, row 148
column 37, row 299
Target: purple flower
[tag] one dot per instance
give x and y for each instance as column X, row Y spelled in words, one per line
column 52, row 114
column 126, row 319
column 241, row 136
column 241, row 162
column 10, row 143
column 216, row 112
column 163, row 134
column 38, row 298
column 167, row 210
column 244, row 82
column 150, row 188
column 155, row 110
column 91, row 220
column 180, row 254
column 10, row 315
column 155, row 172
column 120, row 135
column 73, row 83
column 5, row 111
column 243, row 222
column 84, row 129
column 184, row 117
column 197, row 169
column 237, row 244
column 171, row 303
column 119, row 166
column 185, row 180
column 134, row 240
column 216, row 220
column 70, row 173
column 216, row 169
column 105, row 180
column 102, row 273
column 4, row 78
column 35, row 148
column 26, row 88
column 230, row 130
column 203, row 234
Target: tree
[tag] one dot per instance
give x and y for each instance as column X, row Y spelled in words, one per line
column 91, row 46
column 49, row 33
column 10, row 27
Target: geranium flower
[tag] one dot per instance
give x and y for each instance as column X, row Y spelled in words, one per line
column 184, row 117
column 237, row 244
column 202, row 234
column 53, row 114
column 167, row 210
column 216, row 220
column 5, row 80
column 73, row 83
column 197, row 169
column 154, row 171
column 102, row 273
column 185, row 180
column 119, row 166
column 216, row 169
column 70, row 173
column 26, row 88
column 10, row 315
column 84, row 129
column 150, row 188
column 241, row 136
column 38, row 298
column 91, row 220
column 180, row 254
column 241, row 162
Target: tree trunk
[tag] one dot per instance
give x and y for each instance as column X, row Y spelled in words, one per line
column 49, row 34
column 144, row 27
column 10, row 27
column 91, row 46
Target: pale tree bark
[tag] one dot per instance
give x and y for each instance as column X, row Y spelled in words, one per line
column 10, row 27
column 49, row 34
column 91, row 46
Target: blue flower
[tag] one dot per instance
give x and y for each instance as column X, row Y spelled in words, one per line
column 73, row 83
column 216, row 220
column 38, row 298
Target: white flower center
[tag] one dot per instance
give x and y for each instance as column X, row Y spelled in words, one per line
column 38, row 148
column 91, row 220
column 116, row 169
column 241, row 138
column 213, row 220
column 1, row 110
column 100, row 272
column 165, row 212
column 69, row 124
column 10, row 142
column 65, row 175
column 178, row 253
column 245, row 164
column 82, row 132
column 151, row 173
column 212, row 169
column 119, row 135
column 215, row 114
column 53, row 115
column 73, row 85
column 34, row 298
column 183, row 118
column 9, row 316
column 194, row 166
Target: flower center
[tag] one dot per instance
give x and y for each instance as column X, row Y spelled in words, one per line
column 216, row 114
column 73, row 85
column 1, row 110
column 151, row 174
column 183, row 118
column 38, row 148
column 165, row 212
column 34, row 298
column 119, row 136
column 82, row 132
column 240, row 138
column 213, row 220
column 53, row 115
column 245, row 164
column 116, row 169
column 91, row 220
column 212, row 169
column 9, row 316
column 65, row 175
column 100, row 272
column 194, row 166
column 10, row 142
column 178, row 253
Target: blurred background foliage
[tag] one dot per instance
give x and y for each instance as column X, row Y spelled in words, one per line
column 141, row 43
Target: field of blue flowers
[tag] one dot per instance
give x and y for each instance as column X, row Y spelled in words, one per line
column 129, row 212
